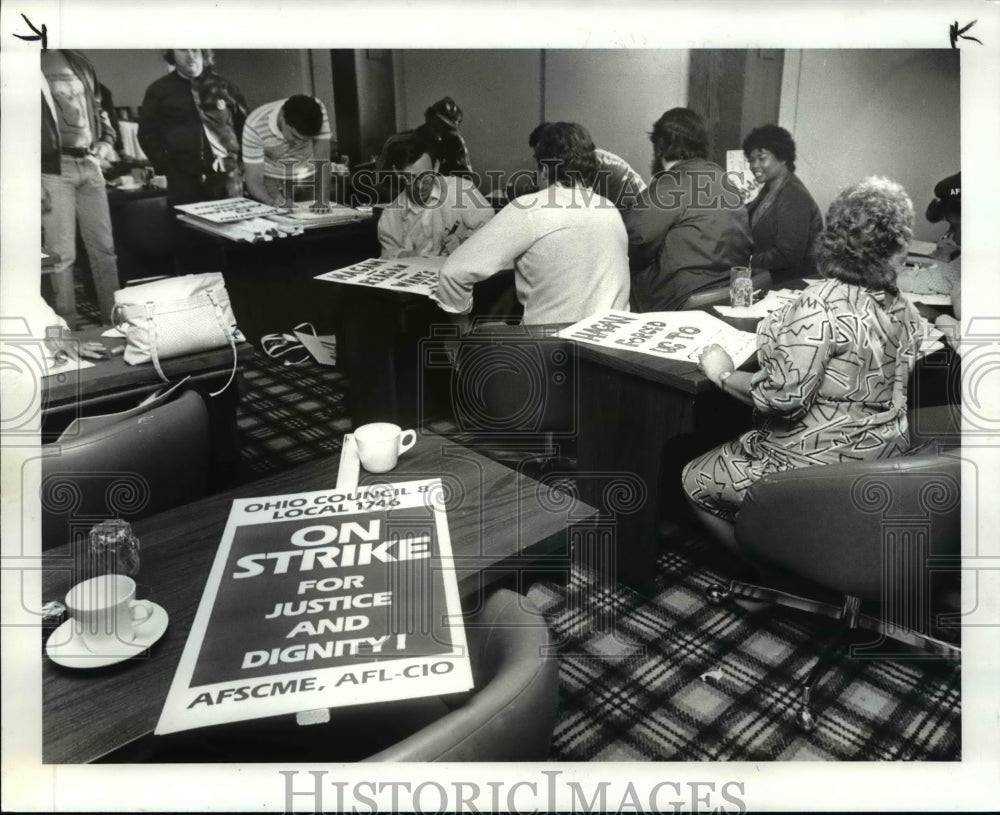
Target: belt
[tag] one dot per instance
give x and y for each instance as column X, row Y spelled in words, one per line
column 76, row 152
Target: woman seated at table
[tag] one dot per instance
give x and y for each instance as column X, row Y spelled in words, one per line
column 566, row 243
column 433, row 214
column 834, row 363
column 784, row 218
column 687, row 229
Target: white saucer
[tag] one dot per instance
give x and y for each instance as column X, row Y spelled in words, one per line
column 65, row 648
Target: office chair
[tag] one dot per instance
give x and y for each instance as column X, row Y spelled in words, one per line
column 513, row 390
column 127, row 465
column 719, row 295
column 511, row 713
column 874, row 545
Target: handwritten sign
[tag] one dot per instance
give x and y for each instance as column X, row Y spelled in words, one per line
column 227, row 210
column 324, row 599
column 418, row 275
column 678, row 335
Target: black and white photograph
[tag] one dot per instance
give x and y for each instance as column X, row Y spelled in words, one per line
column 566, row 406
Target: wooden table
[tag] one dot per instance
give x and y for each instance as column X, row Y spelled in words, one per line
column 640, row 419
column 112, row 385
column 502, row 524
column 271, row 284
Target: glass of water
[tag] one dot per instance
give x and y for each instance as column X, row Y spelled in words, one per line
column 740, row 287
column 114, row 549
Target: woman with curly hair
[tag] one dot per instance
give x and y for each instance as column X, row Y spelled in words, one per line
column 784, row 218
column 688, row 228
column 565, row 242
column 834, row 363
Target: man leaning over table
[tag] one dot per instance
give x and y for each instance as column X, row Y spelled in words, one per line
column 77, row 140
column 293, row 129
column 434, row 213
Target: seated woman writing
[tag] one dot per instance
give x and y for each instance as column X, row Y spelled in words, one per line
column 834, row 364
column 566, row 244
column 433, row 214
column 784, row 218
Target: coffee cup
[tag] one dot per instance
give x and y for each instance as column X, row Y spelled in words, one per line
column 105, row 612
column 380, row 445
column 740, row 287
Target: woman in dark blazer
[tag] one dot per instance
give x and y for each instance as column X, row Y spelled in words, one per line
column 784, row 218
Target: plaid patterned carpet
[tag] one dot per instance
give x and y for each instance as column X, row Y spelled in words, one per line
column 671, row 678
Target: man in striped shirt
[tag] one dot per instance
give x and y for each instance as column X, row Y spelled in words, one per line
column 293, row 129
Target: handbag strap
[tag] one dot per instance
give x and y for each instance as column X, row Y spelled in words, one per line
column 154, row 355
column 220, row 318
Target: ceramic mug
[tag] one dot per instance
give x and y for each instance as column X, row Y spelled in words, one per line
column 380, row 445
column 105, row 611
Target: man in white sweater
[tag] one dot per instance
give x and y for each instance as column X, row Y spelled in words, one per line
column 567, row 244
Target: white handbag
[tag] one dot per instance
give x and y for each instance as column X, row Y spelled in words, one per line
column 176, row 316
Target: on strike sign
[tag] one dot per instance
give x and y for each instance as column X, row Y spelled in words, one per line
column 324, row 599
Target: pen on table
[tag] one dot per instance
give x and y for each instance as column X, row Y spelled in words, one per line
column 118, row 350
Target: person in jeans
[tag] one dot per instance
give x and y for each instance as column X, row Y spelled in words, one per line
column 77, row 138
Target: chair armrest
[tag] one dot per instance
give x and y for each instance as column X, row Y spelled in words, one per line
column 836, row 524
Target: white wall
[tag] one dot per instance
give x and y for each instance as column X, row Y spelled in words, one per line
column 616, row 94
column 499, row 92
column 261, row 74
column 855, row 113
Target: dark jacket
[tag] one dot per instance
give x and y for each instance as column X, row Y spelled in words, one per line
column 784, row 236
column 100, row 124
column 685, row 232
column 170, row 128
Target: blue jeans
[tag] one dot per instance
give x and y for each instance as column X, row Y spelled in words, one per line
column 78, row 194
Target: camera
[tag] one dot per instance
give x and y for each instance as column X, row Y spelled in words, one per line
column 506, row 380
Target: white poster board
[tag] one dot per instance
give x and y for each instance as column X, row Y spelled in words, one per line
column 227, row 210
column 678, row 335
column 738, row 170
column 324, row 599
column 416, row 275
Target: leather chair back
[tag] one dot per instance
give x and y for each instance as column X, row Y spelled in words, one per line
column 126, row 465
column 859, row 527
column 512, row 713
column 508, row 382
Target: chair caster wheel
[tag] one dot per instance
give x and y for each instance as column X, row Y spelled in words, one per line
column 806, row 720
column 717, row 595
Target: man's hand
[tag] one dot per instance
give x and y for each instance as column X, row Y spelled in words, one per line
column 106, row 154
column 63, row 347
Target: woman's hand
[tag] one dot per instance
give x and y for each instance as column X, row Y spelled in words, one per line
column 714, row 361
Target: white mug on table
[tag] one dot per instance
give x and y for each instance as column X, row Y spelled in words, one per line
column 105, row 611
column 380, row 445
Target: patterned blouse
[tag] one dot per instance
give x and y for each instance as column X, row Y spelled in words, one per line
column 834, row 367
